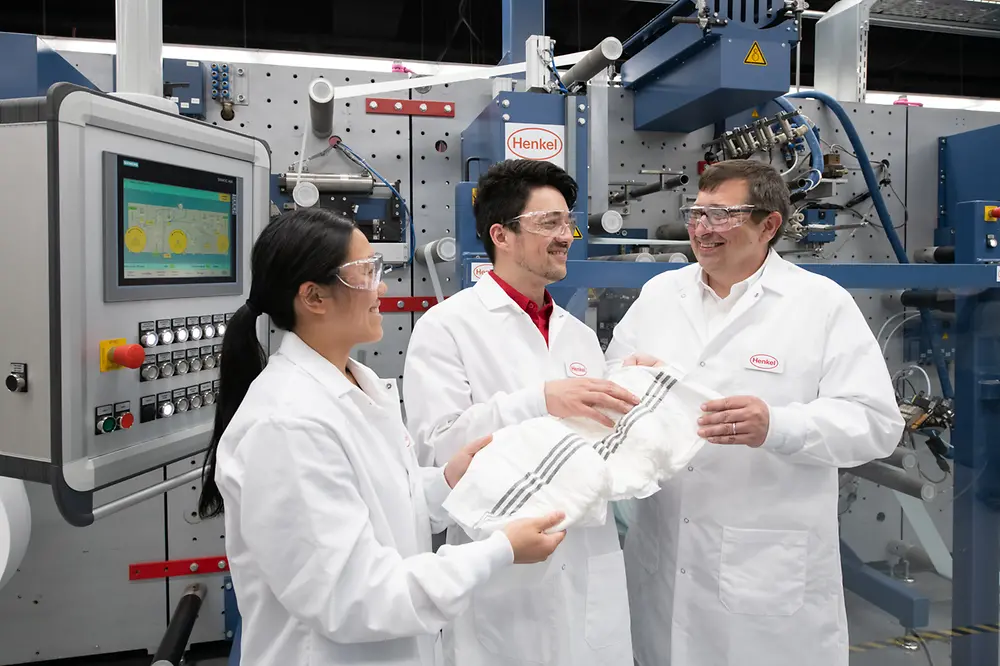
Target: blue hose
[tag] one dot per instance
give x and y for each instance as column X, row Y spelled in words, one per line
column 815, row 150
column 871, row 180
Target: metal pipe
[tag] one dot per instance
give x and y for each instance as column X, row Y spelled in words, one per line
column 146, row 493
column 175, row 639
column 902, row 458
column 344, row 183
column 660, row 24
column 608, row 222
column 592, row 64
column 798, row 55
column 661, row 185
column 321, row 107
column 939, row 254
column 894, row 479
column 139, row 47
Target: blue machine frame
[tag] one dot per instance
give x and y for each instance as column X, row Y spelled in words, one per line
column 38, row 67
column 484, row 142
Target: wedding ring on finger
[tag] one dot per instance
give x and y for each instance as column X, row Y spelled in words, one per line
column 734, row 428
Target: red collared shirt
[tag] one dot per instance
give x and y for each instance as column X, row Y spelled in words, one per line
column 539, row 315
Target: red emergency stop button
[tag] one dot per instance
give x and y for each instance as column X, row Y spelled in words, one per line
column 995, row 213
column 130, row 356
column 126, row 420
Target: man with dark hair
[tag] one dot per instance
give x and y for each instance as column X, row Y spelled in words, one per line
column 736, row 561
column 501, row 353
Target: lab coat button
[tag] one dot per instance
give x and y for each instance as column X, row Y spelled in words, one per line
column 564, row 567
column 686, row 520
column 690, row 469
column 702, row 364
column 683, row 571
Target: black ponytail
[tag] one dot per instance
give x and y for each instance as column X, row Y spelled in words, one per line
column 306, row 245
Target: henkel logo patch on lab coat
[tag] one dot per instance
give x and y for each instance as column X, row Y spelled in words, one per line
column 765, row 362
column 576, row 369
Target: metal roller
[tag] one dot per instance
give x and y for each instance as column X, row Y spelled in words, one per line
column 941, row 254
column 343, row 183
column 599, row 58
column 174, row 642
column 321, row 107
column 941, row 300
column 902, row 458
column 895, row 479
column 608, row 222
column 639, row 257
column 659, row 186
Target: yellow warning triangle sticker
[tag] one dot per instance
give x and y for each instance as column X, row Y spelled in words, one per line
column 576, row 232
column 754, row 114
column 756, row 56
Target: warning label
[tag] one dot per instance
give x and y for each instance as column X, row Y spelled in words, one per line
column 755, row 56
column 576, row 232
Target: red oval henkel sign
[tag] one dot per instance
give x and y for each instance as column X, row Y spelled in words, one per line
column 535, row 143
column 479, row 271
column 764, row 361
column 578, row 369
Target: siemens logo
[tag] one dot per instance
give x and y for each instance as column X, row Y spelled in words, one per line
column 130, row 163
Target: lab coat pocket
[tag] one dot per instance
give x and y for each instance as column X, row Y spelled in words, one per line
column 607, row 623
column 763, row 572
column 517, row 622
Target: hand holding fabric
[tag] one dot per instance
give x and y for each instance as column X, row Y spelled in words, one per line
column 566, row 398
column 459, row 463
column 644, row 360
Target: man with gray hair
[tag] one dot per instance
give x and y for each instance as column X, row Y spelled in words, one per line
column 735, row 561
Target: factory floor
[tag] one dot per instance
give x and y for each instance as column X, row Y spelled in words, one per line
column 868, row 623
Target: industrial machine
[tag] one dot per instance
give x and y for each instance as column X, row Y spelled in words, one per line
column 128, row 232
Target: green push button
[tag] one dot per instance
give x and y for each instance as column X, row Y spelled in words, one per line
column 107, row 424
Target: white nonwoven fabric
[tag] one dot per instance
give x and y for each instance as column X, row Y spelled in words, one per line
column 577, row 465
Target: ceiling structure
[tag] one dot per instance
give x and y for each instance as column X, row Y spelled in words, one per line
column 904, row 60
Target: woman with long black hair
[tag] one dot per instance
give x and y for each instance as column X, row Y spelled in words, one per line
column 328, row 515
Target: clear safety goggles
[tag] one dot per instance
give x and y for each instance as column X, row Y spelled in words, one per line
column 365, row 274
column 719, row 218
column 549, row 223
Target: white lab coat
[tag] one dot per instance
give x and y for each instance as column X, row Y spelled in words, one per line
column 328, row 522
column 736, row 561
column 476, row 363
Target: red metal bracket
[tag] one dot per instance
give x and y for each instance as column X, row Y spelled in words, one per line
column 409, row 107
column 173, row 568
column 407, row 303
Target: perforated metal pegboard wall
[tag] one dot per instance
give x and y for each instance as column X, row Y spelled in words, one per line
column 437, row 168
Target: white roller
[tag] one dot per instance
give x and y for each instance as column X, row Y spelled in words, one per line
column 15, row 527
column 321, row 107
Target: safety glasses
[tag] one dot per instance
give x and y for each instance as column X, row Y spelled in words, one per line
column 719, row 218
column 549, row 223
column 365, row 274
